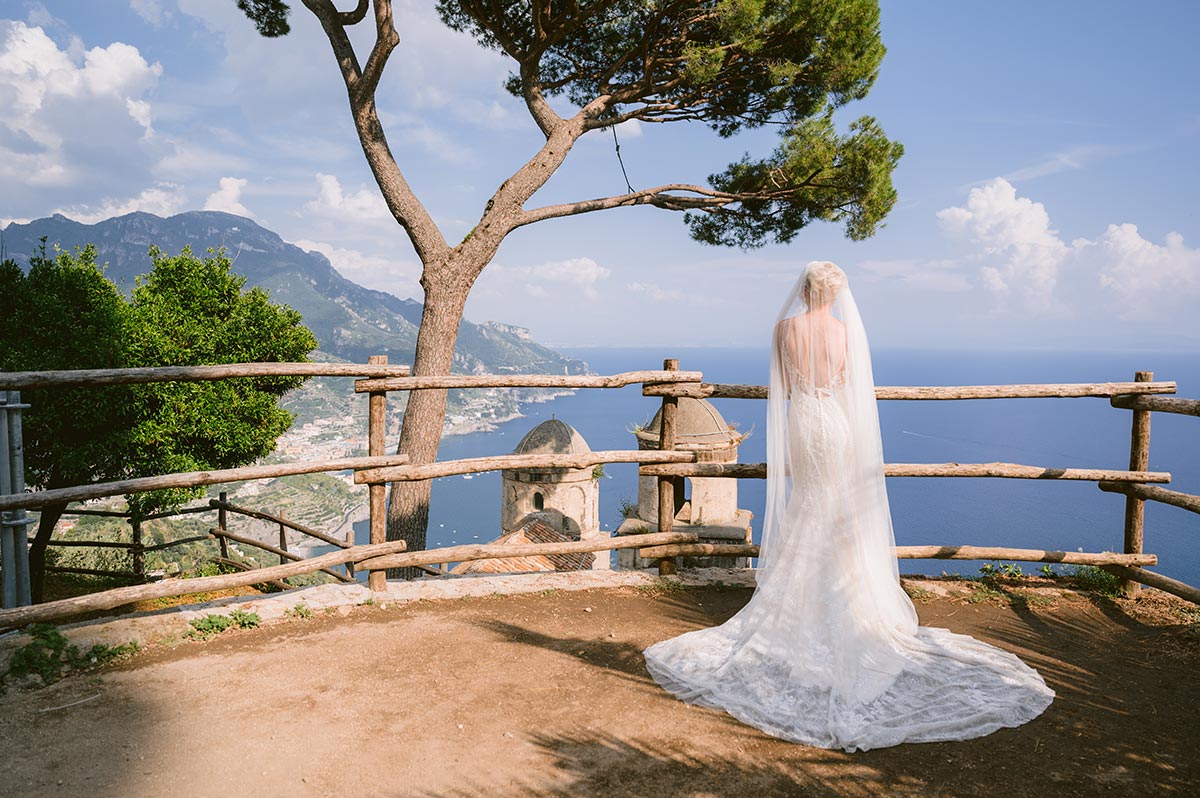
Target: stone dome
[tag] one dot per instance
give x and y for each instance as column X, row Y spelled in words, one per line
column 696, row 421
column 552, row 437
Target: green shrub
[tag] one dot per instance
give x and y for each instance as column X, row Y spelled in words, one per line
column 49, row 656
column 1097, row 580
column 213, row 625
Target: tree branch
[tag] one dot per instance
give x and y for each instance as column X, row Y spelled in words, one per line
column 386, row 39
column 661, row 196
column 407, row 210
column 357, row 15
column 545, row 117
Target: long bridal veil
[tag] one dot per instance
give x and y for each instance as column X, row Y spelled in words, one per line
column 828, row 650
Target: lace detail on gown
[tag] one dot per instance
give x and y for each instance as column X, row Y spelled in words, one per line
column 828, row 651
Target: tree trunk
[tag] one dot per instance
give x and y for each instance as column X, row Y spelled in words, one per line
column 408, row 506
column 50, row 514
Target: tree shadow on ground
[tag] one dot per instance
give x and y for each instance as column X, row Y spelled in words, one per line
column 600, row 764
column 1122, row 723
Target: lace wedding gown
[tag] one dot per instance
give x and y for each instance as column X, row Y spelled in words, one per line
column 828, row 651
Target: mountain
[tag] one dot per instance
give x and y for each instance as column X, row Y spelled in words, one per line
column 351, row 322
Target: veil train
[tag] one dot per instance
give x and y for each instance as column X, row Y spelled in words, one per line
column 828, row 650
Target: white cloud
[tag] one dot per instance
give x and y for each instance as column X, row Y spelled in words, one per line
column 151, row 11
column 1145, row 276
column 1020, row 251
column 75, row 119
column 398, row 277
column 165, row 199
column 578, row 275
column 332, row 203
column 228, row 197
column 434, row 68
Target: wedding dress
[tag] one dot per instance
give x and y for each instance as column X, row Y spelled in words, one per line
column 828, row 651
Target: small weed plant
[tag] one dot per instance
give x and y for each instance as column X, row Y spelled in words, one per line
column 661, row 586
column 983, row 590
column 1002, row 570
column 212, row 625
column 301, row 610
column 919, row 594
column 49, row 656
column 1097, row 580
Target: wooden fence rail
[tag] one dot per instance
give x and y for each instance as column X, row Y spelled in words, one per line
column 66, row 569
column 1000, row 470
column 667, row 464
column 1163, row 583
column 93, row 544
column 216, row 504
column 191, row 479
column 491, row 551
column 14, row 380
column 527, row 381
column 1159, row 404
column 65, row 608
column 706, row 390
column 1187, row 501
column 475, row 465
column 921, row 553
column 278, row 551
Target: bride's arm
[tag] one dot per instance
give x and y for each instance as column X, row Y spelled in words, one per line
column 787, row 345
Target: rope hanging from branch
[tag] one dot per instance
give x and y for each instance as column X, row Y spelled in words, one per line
column 624, row 174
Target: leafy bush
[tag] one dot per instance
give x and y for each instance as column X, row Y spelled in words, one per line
column 49, row 656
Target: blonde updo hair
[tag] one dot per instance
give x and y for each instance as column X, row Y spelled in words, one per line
column 822, row 281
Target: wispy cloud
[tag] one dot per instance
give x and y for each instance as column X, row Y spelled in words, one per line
column 579, row 275
column 1067, row 160
column 398, row 277
column 656, row 293
column 935, row 276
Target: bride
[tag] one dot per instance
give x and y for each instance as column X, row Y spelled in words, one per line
column 828, row 651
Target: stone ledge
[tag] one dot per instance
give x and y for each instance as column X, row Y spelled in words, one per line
column 146, row 627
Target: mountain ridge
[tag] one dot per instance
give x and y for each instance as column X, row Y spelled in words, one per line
column 351, row 321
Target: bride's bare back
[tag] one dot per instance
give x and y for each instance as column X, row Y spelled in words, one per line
column 813, row 346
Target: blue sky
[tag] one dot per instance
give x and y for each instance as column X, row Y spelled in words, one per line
column 1048, row 192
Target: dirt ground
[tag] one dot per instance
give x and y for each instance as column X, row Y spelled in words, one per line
column 546, row 695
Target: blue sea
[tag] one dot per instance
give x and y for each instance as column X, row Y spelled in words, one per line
column 1060, row 515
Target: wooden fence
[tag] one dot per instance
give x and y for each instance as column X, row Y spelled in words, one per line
column 669, row 465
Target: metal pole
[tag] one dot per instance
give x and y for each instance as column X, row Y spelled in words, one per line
column 8, row 542
column 16, row 461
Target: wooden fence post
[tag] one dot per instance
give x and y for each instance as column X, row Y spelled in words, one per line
column 139, row 557
column 282, row 538
column 1135, row 507
column 222, row 522
column 666, row 485
column 376, row 444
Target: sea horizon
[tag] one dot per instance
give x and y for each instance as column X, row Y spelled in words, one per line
column 1050, row 514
